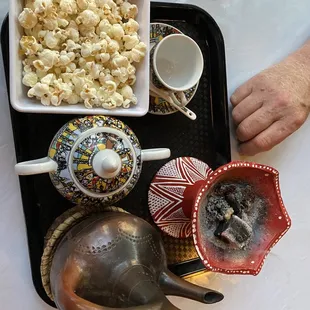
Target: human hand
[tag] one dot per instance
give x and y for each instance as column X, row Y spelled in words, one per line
column 273, row 104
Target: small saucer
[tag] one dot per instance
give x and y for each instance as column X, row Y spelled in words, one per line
column 158, row 105
column 171, row 193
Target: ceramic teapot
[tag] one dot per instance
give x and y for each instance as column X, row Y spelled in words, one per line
column 98, row 259
column 93, row 159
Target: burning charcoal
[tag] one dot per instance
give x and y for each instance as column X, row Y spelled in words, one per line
column 230, row 198
column 218, row 208
column 224, row 189
column 248, row 197
column 221, row 228
column 236, row 232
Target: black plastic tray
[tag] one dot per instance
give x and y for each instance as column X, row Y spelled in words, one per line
column 207, row 139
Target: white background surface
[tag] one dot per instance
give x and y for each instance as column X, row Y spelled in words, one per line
column 257, row 33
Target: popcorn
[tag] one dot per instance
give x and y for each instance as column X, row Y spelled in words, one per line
column 104, row 26
column 29, row 45
column 132, row 80
column 71, row 67
column 50, row 40
column 62, row 23
column 121, row 74
column 30, row 79
column 49, row 58
column 109, row 3
column 51, row 23
column 27, row 19
column 116, row 99
column 42, row 6
column 71, row 46
column 131, row 27
column 117, row 32
column 34, row 31
column 38, row 90
column 139, row 52
column 88, row 18
column 29, row 5
column 39, row 65
column 81, row 51
column 27, row 69
column 113, row 46
column 126, row 104
column 89, row 95
column 84, row 4
column 131, row 70
column 129, row 10
column 119, row 61
column 86, row 31
column 103, row 57
column 110, row 87
column 66, row 58
column 86, row 49
column 68, row 6
column 93, row 69
column 127, row 92
column 40, row 74
column 73, row 99
column 46, row 99
column 48, row 79
column 131, row 41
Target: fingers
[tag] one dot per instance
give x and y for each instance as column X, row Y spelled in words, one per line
column 247, row 107
column 254, row 124
column 267, row 139
column 241, row 93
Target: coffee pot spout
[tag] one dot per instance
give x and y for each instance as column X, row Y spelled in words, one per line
column 175, row 286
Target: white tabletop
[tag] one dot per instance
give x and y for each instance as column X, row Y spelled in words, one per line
column 257, row 33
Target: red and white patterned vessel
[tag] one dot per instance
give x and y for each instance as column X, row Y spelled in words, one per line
column 172, row 192
column 177, row 199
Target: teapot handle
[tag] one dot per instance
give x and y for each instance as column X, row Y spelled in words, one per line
column 155, row 154
column 39, row 166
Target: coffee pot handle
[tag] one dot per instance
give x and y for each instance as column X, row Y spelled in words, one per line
column 155, row 154
column 39, row 166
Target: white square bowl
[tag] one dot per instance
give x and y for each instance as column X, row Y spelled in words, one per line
column 18, row 92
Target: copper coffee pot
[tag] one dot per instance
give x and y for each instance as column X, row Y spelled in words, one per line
column 96, row 260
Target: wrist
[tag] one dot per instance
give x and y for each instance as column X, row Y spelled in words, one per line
column 302, row 55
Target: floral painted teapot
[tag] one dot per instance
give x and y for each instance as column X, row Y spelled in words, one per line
column 93, row 159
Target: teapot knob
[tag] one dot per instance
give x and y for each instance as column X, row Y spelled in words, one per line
column 107, row 164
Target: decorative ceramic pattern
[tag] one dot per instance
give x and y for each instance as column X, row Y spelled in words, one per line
column 170, row 194
column 84, row 154
column 158, row 105
column 276, row 227
column 61, row 148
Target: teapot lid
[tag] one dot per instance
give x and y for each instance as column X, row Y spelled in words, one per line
column 102, row 161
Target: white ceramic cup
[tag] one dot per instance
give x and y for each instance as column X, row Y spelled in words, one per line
column 177, row 65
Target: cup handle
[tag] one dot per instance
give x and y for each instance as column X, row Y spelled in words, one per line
column 39, row 166
column 155, row 154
